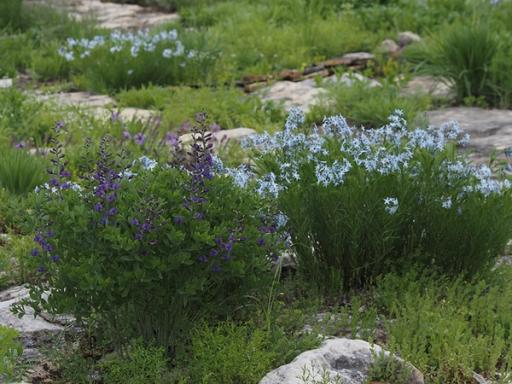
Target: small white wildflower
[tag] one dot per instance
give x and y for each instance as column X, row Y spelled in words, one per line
column 147, row 163
column 391, row 205
column 167, row 53
column 447, row 203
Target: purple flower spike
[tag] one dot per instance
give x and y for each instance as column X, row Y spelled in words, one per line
column 54, row 182
column 35, row 252
column 139, row 138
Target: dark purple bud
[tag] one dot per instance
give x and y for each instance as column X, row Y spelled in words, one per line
column 38, row 238
column 199, row 215
column 50, row 234
column 54, row 182
column 138, row 236
column 65, row 185
column 216, row 268
column 55, row 258
column 111, row 198
column 213, row 252
column 228, row 247
column 20, row 145
column 146, row 227
column 127, row 135
column 35, row 252
column 134, row 222
column 202, row 259
column 65, row 173
column 114, row 186
column 112, row 211
column 98, row 207
column 178, row 219
column 47, row 247
column 41, row 269
column 261, row 241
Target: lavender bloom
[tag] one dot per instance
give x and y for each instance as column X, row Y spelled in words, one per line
column 21, row 144
column 139, row 138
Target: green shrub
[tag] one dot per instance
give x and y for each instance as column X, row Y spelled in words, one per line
column 141, row 365
column 10, row 350
column 147, row 255
column 229, row 354
column 431, row 321
column 20, row 172
column 361, row 203
column 368, row 106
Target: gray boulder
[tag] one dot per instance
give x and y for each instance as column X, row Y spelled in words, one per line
column 339, row 360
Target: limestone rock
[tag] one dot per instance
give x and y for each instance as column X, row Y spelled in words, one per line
column 82, row 99
column 407, row 38
column 113, row 15
column 301, row 94
column 222, row 136
column 389, row 47
column 339, row 358
column 426, row 85
column 6, row 83
column 27, row 324
column 490, row 129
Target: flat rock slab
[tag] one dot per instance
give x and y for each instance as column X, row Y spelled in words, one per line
column 236, row 134
column 302, row 94
column 6, row 83
column 82, row 99
column 27, row 324
column 336, row 359
column 113, row 15
column 490, row 129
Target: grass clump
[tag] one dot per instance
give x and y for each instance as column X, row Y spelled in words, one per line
column 20, row 172
column 470, row 58
column 10, row 350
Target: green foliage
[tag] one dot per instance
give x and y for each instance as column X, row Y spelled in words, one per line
column 368, row 106
column 20, row 172
column 363, row 203
column 432, row 320
column 10, row 14
column 388, row 369
column 141, row 365
column 10, row 350
column 149, row 255
column 471, row 59
column 229, row 354
column 227, row 107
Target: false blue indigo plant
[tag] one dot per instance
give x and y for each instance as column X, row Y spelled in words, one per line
column 144, row 249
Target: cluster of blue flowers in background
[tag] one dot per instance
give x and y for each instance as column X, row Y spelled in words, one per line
column 164, row 43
